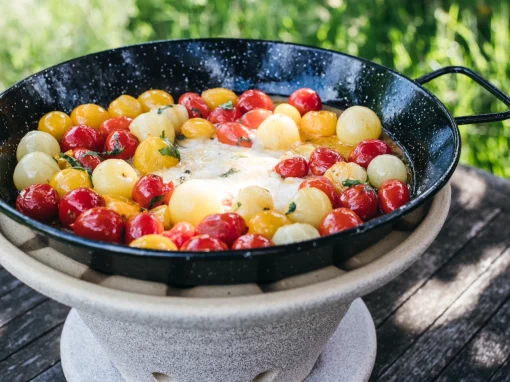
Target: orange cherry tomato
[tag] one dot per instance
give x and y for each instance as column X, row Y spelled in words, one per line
column 235, row 134
column 338, row 220
column 254, row 118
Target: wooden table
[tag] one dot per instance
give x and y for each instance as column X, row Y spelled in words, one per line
column 446, row 319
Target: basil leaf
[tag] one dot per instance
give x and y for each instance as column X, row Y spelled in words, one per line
column 227, row 105
column 229, row 172
column 292, row 208
column 162, row 109
column 155, row 200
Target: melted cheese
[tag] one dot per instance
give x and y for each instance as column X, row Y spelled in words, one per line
column 226, row 169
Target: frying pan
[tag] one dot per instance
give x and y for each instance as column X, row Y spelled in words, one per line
column 412, row 116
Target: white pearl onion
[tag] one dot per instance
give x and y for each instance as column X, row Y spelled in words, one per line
column 385, row 167
column 356, row 124
column 34, row 168
column 278, row 132
column 293, row 233
column 35, row 141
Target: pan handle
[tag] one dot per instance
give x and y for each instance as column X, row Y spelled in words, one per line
column 480, row 118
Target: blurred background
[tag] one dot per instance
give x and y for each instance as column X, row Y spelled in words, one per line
column 412, row 37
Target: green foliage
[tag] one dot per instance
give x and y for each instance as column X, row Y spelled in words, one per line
column 412, row 37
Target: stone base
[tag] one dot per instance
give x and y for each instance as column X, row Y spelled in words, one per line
column 349, row 355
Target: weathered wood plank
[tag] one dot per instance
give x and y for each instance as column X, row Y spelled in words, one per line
column 31, row 325
column 503, row 373
column 420, row 311
column 456, row 234
column 8, row 282
column 33, row 359
column 486, row 352
column 53, row 374
column 448, row 312
column 18, row 302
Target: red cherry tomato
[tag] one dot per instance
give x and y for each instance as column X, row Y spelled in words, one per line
column 195, row 105
column 120, row 144
column 38, row 201
column 305, row 100
column 296, row 167
column 235, row 134
column 393, row 194
column 204, row 243
column 87, row 158
column 82, row 136
column 100, row 223
column 338, row 220
column 362, row 199
column 223, row 114
column 253, row 99
column 141, row 225
column 367, row 150
column 114, row 124
column 227, row 226
column 323, row 158
column 250, row 241
column 180, row 233
column 151, row 191
column 77, row 201
column 254, row 118
column 324, row 184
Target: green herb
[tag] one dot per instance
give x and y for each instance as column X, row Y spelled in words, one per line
column 117, row 148
column 351, row 182
column 170, row 150
column 91, row 154
column 162, row 109
column 292, row 208
column 228, row 105
column 243, row 139
column 238, row 206
column 180, row 137
column 239, row 156
column 197, row 111
column 72, row 161
column 55, row 159
column 155, row 200
column 229, row 172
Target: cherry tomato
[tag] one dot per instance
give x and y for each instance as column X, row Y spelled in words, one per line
column 195, row 105
column 82, row 136
column 254, row 118
column 250, row 241
column 180, row 233
column 362, row 199
column 141, row 225
column 204, row 243
column 100, row 223
column 253, row 99
column 393, row 194
column 114, row 124
column 120, row 144
column 235, row 134
column 38, row 201
column 227, row 226
column 323, row 158
column 305, row 100
column 223, row 114
column 340, row 219
column 77, row 201
column 151, row 191
column 296, row 167
column 324, row 184
column 367, row 150
column 87, row 158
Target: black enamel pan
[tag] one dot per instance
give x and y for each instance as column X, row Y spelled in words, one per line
column 411, row 115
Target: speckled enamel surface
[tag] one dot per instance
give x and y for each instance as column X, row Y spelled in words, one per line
column 410, row 115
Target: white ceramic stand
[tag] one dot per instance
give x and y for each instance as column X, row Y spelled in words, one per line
column 349, row 355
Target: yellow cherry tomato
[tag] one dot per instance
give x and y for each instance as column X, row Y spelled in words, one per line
column 55, row 123
column 218, row 96
column 163, row 214
column 89, row 114
column 155, row 154
column 267, row 222
column 289, row 111
column 154, row 242
column 123, row 206
column 320, row 123
column 198, row 128
column 331, row 143
column 154, row 98
column 70, row 179
column 126, row 106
